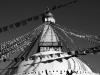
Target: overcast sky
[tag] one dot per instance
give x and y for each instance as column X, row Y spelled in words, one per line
column 83, row 16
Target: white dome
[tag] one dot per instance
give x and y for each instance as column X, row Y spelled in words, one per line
column 55, row 64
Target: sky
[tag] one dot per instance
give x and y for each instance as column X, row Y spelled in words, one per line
column 83, row 16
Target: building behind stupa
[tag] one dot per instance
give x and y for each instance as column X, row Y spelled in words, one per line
column 50, row 60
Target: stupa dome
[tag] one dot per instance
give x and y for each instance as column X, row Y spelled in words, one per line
column 58, row 63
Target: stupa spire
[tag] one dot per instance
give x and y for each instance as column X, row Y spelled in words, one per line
column 49, row 38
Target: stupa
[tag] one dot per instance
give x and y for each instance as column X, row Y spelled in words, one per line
column 50, row 60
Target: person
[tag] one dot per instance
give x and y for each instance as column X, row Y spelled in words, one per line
column 70, row 73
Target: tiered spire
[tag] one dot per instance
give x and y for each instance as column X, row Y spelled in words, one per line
column 49, row 39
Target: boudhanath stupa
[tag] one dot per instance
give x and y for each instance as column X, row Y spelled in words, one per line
column 50, row 59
